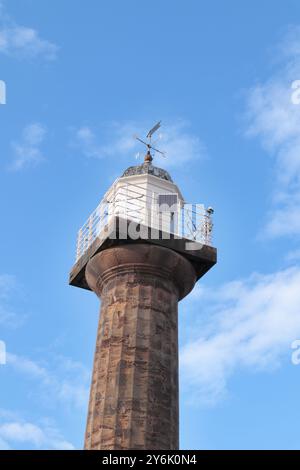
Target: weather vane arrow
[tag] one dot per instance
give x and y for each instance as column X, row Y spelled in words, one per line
column 148, row 157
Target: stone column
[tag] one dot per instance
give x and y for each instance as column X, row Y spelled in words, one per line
column 134, row 393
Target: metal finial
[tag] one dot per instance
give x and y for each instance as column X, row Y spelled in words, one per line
column 148, row 157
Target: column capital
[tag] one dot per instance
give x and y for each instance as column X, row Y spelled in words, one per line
column 140, row 259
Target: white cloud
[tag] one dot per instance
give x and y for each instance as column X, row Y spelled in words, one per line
column 4, row 445
column 15, row 430
column 7, row 283
column 85, row 139
column 293, row 255
column 181, row 145
column 275, row 119
column 16, row 433
column 250, row 324
column 23, row 42
column 63, row 381
column 27, row 152
column 8, row 289
column 176, row 140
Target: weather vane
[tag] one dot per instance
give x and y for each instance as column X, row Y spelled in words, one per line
column 148, row 157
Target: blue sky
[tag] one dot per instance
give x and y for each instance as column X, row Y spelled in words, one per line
column 81, row 78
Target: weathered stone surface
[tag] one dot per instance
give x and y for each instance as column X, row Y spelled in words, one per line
column 134, row 392
column 147, row 168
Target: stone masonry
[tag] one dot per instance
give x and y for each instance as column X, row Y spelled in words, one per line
column 134, row 392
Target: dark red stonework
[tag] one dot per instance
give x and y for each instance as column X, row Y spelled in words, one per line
column 134, row 392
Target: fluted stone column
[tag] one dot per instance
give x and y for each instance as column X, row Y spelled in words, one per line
column 134, row 392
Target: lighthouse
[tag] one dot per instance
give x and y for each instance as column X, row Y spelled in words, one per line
column 140, row 251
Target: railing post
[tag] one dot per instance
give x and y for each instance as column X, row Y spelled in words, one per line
column 207, row 227
column 90, row 230
column 79, row 241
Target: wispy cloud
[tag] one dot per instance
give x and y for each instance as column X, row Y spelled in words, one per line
column 249, row 324
column 117, row 140
column 60, row 381
column 8, row 289
column 293, row 256
column 63, row 380
column 275, row 120
column 42, row 436
column 22, row 41
column 86, row 141
column 27, row 151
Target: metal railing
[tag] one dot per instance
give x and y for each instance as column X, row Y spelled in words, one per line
column 131, row 202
